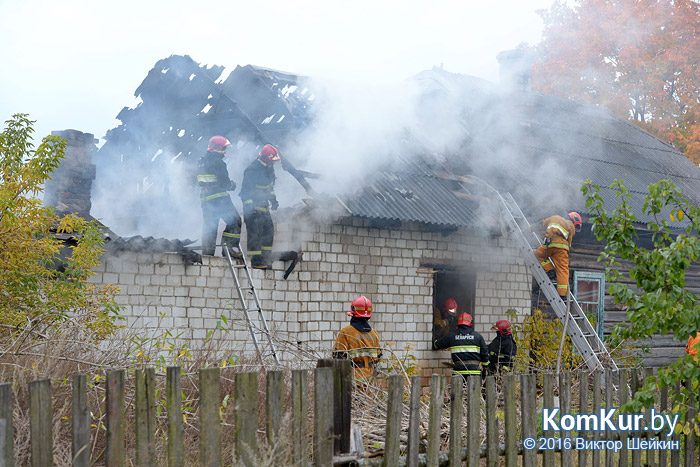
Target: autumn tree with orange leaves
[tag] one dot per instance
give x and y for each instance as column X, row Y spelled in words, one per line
column 639, row 58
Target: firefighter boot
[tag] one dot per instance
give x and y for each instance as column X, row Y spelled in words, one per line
column 258, row 263
column 552, row 274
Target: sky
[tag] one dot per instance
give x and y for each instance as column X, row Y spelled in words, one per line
column 75, row 64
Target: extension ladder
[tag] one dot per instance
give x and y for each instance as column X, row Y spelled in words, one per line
column 582, row 334
column 256, row 303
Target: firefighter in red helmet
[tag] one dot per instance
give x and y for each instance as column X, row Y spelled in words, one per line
column 469, row 351
column 358, row 341
column 258, row 196
column 553, row 254
column 214, row 184
column 445, row 318
column 502, row 349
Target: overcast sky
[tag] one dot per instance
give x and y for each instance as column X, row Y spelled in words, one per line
column 76, row 63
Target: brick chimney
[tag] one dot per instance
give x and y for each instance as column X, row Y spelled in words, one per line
column 515, row 69
column 69, row 191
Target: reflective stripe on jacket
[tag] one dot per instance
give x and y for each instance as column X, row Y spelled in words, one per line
column 258, row 186
column 466, row 345
column 361, row 347
column 212, row 177
column 560, row 230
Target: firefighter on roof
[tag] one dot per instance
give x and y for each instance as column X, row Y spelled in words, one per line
column 558, row 235
column 469, row 351
column 358, row 341
column 258, row 196
column 502, row 349
column 214, row 183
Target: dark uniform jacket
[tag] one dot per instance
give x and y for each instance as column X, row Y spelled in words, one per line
column 468, row 350
column 258, row 188
column 212, row 177
column 502, row 350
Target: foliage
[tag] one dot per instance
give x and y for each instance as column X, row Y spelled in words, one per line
column 39, row 289
column 662, row 304
column 638, row 58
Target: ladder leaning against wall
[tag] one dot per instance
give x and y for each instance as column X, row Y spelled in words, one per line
column 582, row 334
column 254, row 306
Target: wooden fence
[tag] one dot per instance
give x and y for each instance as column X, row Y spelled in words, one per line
column 487, row 422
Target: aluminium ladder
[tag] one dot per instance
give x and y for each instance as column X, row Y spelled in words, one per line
column 256, row 303
column 582, row 334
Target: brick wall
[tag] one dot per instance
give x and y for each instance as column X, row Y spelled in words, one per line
column 341, row 261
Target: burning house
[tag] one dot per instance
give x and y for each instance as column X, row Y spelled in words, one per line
column 417, row 223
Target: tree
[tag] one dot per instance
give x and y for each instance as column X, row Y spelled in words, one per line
column 639, row 58
column 38, row 287
column 662, row 304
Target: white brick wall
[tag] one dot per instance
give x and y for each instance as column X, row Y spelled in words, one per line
column 341, row 261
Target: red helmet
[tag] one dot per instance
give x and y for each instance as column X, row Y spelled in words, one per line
column 576, row 219
column 465, row 318
column 361, row 307
column 450, row 306
column 503, row 327
column 269, row 153
column 218, row 144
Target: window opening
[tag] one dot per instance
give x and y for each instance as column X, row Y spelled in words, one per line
column 459, row 285
column 589, row 290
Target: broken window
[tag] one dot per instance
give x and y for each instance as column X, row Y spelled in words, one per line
column 459, row 285
column 589, row 290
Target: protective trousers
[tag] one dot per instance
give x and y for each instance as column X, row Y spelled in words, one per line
column 212, row 211
column 560, row 257
column 260, row 235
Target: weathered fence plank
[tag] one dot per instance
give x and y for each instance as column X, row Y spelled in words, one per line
column 597, row 385
column 114, row 450
column 609, row 397
column 624, row 397
column 676, row 454
column 145, row 418
column 274, row 403
column 548, row 402
column 565, row 404
column 510, row 415
column 456, row 419
column 650, row 453
column 41, row 422
column 323, row 415
column 583, row 408
column 173, row 405
column 414, row 423
column 635, row 385
column 436, row 390
column 7, row 406
column 246, row 418
column 529, row 418
column 342, row 402
column 394, row 409
column 690, row 415
column 492, row 458
column 209, row 425
column 300, row 420
column 80, row 421
column 663, row 407
column 473, row 420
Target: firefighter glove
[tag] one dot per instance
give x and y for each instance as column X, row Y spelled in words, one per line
column 547, row 240
column 274, row 204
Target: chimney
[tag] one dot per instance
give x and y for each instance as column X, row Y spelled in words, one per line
column 515, row 69
column 71, row 184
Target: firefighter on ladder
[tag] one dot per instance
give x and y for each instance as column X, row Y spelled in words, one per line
column 214, row 183
column 358, row 341
column 469, row 351
column 558, row 235
column 258, row 196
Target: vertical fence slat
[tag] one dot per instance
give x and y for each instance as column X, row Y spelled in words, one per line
column 274, row 405
column 176, row 453
column 675, row 454
column 114, row 450
column 436, row 390
column 393, row 421
column 246, row 418
column 583, row 408
column 41, row 423
column 456, row 419
column 609, row 397
column 548, row 402
column 473, row 420
column 323, row 416
column 528, row 390
column 145, row 417
column 510, row 415
column 300, row 414
column 597, row 387
column 663, row 408
column 565, row 404
column 650, row 434
column 342, row 402
column 414, row 423
column 7, row 407
column 636, row 454
column 80, row 423
column 623, row 392
column 690, row 415
column 209, row 424
column 491, row 423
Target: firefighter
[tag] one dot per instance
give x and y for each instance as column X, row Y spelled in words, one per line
column 214, row 183
column 469, row 351
column 559, row 233
column 358, row 341
column 258, row 196
column 502, row 349
column 445, row 318
column 692, row 346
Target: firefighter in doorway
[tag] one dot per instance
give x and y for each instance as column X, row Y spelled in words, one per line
column 445, row 318
column 558, row 235
column 358, row 341
column 258, row 196
column 214, row 183
column 469, row 351
column 502, row 349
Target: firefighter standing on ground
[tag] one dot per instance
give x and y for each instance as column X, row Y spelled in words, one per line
column 214, row 182
column 502, row 349
column 559, row 233
column 358, row 341
column 468, row 348
column 258, row 196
